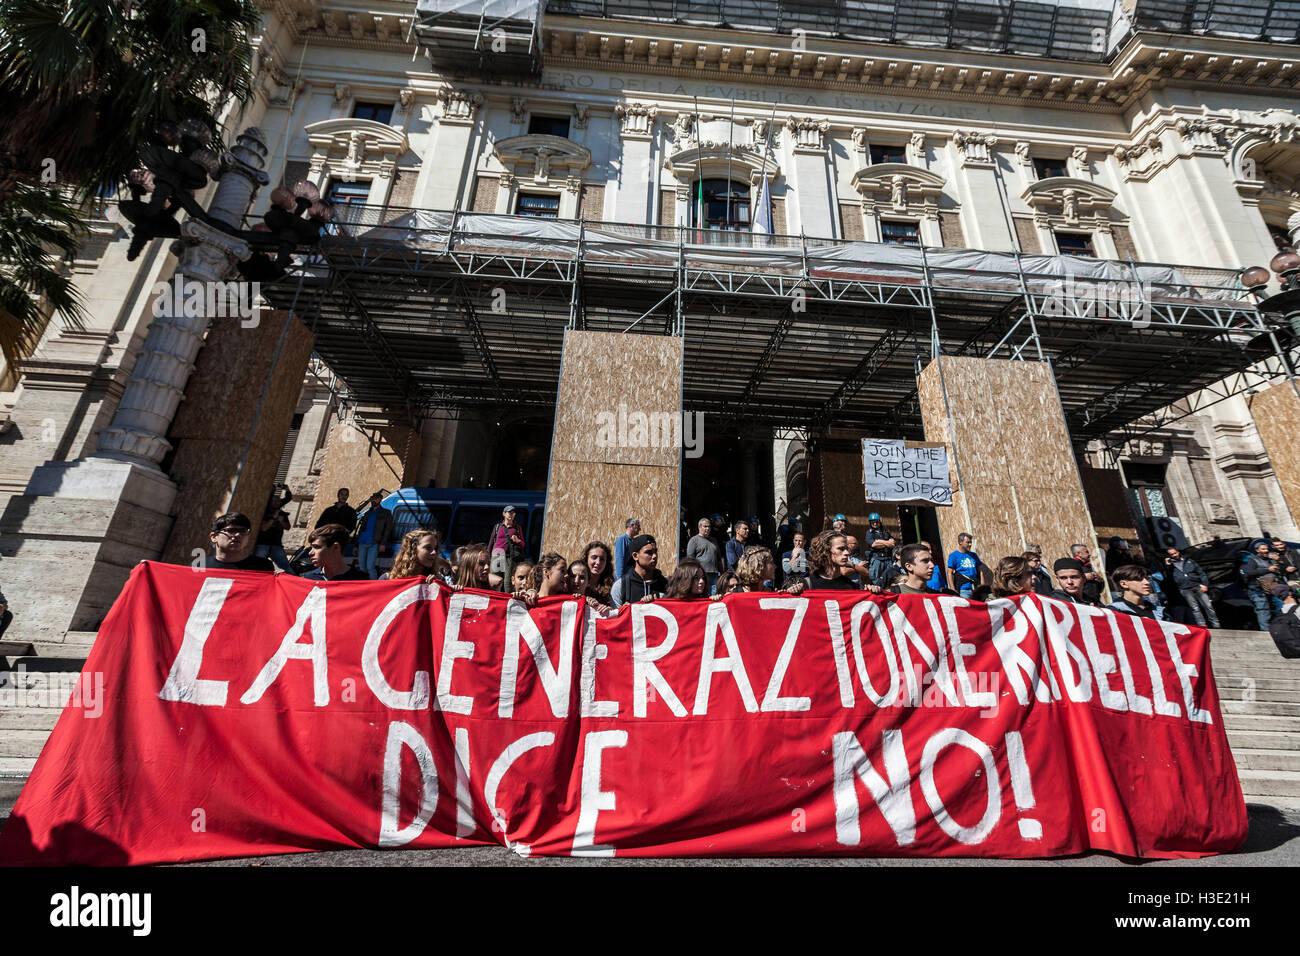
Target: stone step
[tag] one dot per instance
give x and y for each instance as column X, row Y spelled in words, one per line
column 1250, row 739
column 26, row 718
column 1278, row 723
column 11, row 767
column 1259, row 690
column 1273, row 802
column 1267, row 759
column 1261, row 707
column 23, row 743
column 1265, row 783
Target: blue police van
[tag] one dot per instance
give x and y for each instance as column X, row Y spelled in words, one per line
column 461, row 515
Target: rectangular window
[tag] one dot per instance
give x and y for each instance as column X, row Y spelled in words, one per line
column 549, row 125
column 537, row 204
column 1048, row 168
column 348, row 194
column 379, row 112
column 888, row 154
column 900, row 233
column 1075, row 244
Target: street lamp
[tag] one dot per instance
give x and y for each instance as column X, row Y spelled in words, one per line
column 1286, row 264
column 175, row 163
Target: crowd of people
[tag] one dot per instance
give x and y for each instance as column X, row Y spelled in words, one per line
column 716, row 561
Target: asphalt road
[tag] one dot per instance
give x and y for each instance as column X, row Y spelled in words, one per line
column 1274, row 841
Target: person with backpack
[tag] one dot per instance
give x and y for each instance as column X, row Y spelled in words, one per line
column 508, row 545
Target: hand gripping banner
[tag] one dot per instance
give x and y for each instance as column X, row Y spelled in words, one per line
column 249, row 714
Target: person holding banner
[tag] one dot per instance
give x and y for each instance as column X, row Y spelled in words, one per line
column 917, row 562
column 1013, row 576
column 1133, row 584
column 689, row 582
column 232, row 545
column 1073, row 584
column 418, row 557
column 472, row 569
column 756, row 571
column 828, row 557
column 327, row 544
column 643, row 581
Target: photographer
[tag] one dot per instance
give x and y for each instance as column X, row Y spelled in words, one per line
column 1193, row 584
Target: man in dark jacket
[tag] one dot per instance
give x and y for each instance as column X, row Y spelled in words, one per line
column 1193, row 584
column 1073, row 584
column 644, row 579
column 1042, row 580
column 1285, row 629
column 339, row 513
column 1261, row 573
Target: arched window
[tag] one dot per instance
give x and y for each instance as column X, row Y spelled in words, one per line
column 723, row 208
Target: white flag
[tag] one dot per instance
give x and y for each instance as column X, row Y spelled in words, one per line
column 762, row 221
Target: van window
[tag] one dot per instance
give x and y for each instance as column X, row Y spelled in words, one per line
column 474, row 523
column 407, row 516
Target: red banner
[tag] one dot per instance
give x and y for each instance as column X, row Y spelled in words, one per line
column 248, row 714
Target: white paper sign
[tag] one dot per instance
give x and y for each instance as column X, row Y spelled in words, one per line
column 893, row 472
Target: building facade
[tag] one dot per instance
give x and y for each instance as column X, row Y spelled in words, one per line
column 1118, row 136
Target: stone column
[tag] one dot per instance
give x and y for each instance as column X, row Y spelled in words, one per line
column 638, row 181
column 157, row 383
column 811, row 176
column 1008, row 494
column 983, row 217
column 81, row 526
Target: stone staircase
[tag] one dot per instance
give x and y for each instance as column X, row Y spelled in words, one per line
column 1259, row 690
column 33, row 692
column 1260, row 693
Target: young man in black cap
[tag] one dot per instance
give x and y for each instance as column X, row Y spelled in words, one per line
column 1070, row 576
column 643, row 581
column 232, row 545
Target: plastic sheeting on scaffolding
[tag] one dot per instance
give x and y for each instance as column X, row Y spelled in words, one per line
column 491, row 36
column 657, row 249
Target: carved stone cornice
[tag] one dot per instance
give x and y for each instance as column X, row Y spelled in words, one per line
column 353, row 147
column 459, row 106
column 899, row 188
column 975, row 148
column 636, row 120
column 1067, row 201
column 714, row 159
column 809, row 133
column 542, row 158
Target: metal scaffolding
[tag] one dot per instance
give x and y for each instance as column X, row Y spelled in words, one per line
column 464, row 313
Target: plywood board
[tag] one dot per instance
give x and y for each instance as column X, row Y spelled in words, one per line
column 840, row 491
column 619, row 399
column 234, row 421
column 1276, row 410
column 1014, row 475
column 616, row 449
column 365, row 458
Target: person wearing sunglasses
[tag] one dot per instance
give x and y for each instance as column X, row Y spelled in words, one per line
column 232, row 545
